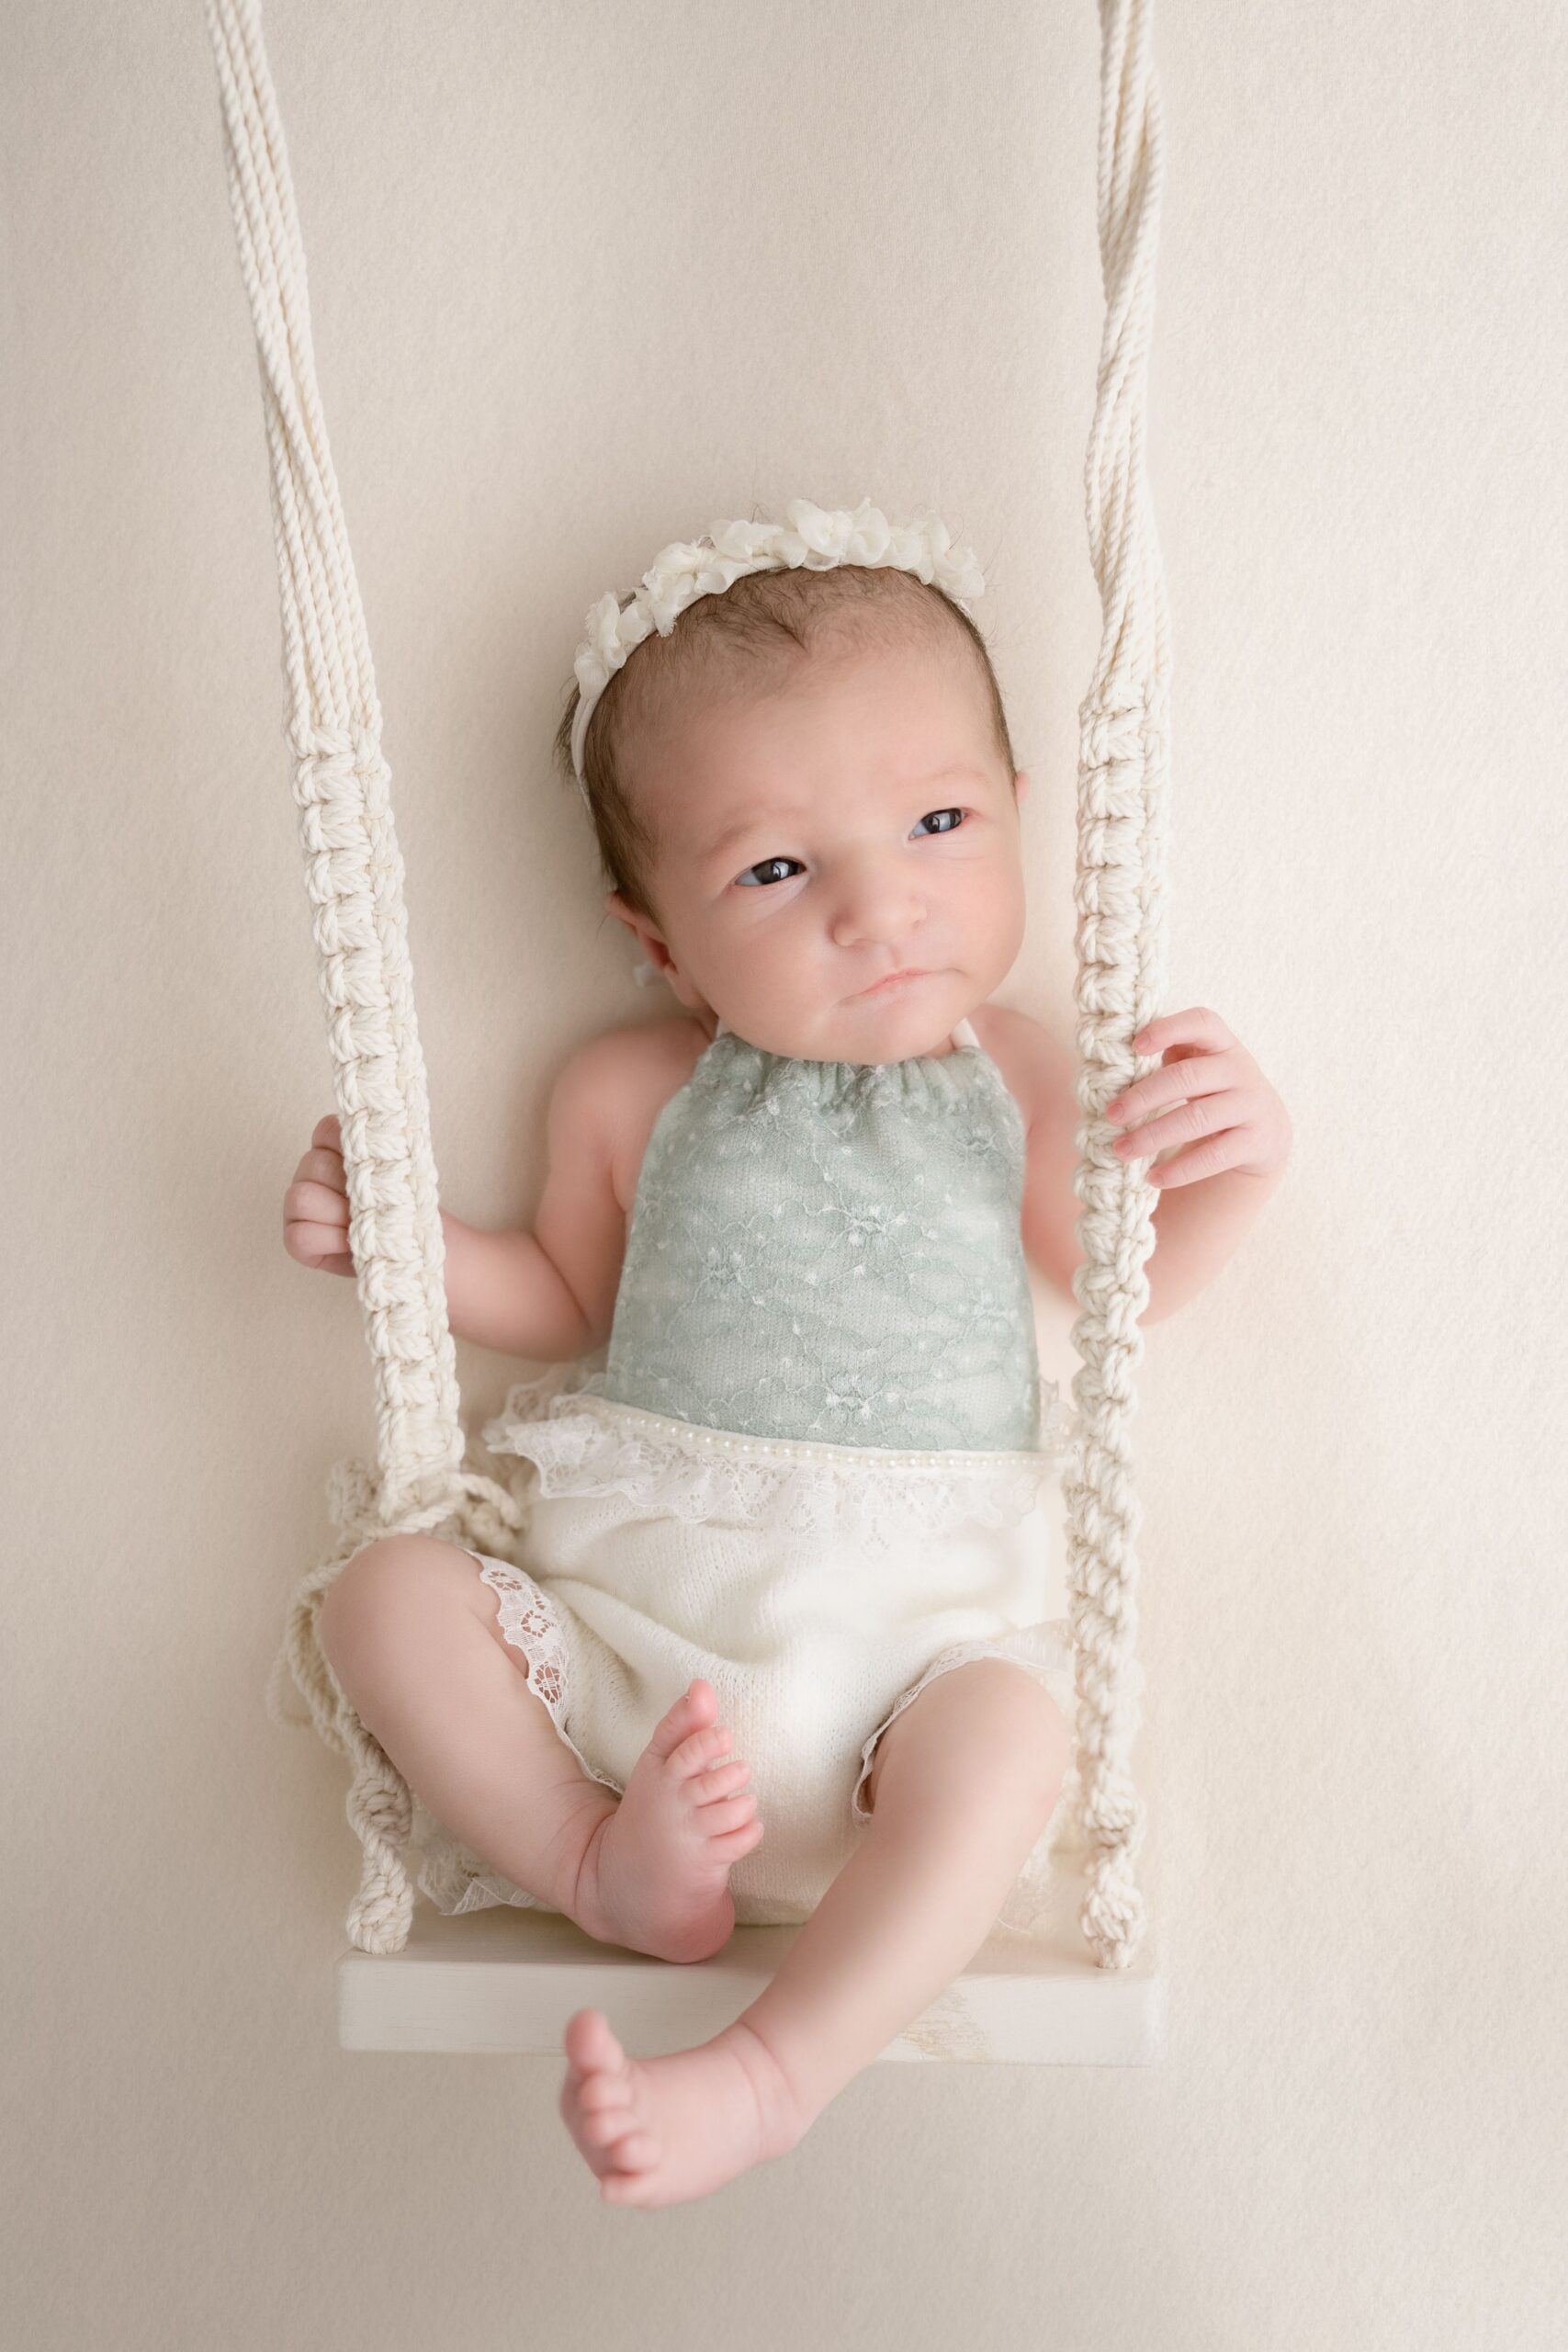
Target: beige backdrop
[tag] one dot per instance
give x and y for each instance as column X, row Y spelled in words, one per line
column 583, row 278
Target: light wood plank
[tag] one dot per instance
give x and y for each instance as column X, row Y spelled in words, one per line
column 507, row 1980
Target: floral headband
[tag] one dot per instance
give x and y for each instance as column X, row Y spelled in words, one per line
column 814, row 538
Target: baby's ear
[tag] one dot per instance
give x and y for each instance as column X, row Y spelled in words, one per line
column 637, row 925
column 661, row 965
column 643, row 930
column 1020, row 785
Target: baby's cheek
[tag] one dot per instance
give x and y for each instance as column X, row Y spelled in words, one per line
column 742, row 981
column 997, row 906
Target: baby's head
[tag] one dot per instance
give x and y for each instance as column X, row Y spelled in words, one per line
column 808, row 785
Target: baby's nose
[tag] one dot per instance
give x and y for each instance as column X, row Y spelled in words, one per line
column 876, row 910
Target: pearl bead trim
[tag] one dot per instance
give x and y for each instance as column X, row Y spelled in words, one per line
column 792, row 1448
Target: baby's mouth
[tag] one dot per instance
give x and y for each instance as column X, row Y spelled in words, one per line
column 892, row 982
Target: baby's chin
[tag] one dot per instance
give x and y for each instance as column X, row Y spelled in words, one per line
column 890, row 1023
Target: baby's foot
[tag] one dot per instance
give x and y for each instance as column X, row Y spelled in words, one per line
column 655, row 1874
column 657, row 2131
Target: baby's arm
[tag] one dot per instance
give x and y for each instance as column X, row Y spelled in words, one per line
column 1209, row 1198
column 548, row 1293
column 1041, row 1077
column 551, row 1294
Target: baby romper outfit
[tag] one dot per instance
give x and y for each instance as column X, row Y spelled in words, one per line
column 811, row 1462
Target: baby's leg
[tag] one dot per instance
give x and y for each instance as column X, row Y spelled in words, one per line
column 411, row 1632
column 964, row 1782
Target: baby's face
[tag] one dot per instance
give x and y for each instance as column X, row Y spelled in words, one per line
column 858, row 824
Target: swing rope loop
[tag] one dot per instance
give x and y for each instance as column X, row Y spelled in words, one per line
column 354, row 879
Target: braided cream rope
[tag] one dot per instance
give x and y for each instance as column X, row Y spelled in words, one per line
column 355, row 879
column 354, row 876
column 1124, row 771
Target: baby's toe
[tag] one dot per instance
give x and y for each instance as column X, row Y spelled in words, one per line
column 701, row 1750
column 692, row 1711
column 613, row 2124
column 611, row 2087
column 730, row 1840
column 718, row 1813
column 726, row 1779
column 590, row 2044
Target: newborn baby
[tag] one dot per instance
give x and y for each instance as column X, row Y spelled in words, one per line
column 774, row 1648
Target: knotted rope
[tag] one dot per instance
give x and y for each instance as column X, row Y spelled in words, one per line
column 1123, row 772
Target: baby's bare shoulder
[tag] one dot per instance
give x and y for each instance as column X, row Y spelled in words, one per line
column 642, row 1051
column 620, row 1081
column 1039, row 1069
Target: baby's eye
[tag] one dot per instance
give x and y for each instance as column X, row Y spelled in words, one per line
column 762, row 868
column 956, row 814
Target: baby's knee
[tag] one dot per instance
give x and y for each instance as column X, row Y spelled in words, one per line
column 380, row 1591
column 989, row 1732
column 1022, row 1740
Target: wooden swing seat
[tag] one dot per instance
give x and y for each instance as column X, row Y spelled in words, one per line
column 506, row 1980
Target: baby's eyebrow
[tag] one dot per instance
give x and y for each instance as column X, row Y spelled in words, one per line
column 738, row 832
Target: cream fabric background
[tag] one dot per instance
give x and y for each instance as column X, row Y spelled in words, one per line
column 582, row 279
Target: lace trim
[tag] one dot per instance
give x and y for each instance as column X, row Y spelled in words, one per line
column 451, row 1875
column 587, row 1445
column 530, row 1623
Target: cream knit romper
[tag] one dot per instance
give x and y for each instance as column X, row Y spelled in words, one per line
column 813, row 1463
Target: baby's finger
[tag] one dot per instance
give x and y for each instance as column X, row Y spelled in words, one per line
column 319, row 1246
column 328, row 1131
column 1194, row 1075
column 1195, row 1024
column 317, row 1205
column 1203, row 1116
column 1209, row 1158
column 323, row 1168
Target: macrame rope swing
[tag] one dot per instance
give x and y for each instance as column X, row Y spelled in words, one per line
column 426, row 1478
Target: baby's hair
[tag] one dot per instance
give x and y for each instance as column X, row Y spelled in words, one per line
column 744, row 638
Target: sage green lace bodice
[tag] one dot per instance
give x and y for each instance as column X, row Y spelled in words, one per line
column 833, row 1251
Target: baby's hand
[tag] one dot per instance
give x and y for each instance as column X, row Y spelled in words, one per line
column 1226, row 1111
column 315, row 1207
